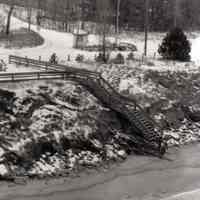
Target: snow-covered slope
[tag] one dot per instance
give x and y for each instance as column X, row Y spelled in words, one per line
column 56, row 128
column 170, row 97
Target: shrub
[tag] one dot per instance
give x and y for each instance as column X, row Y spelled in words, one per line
column 53, row 59
column 119, row 59
column 79, row 58
column 130, row 56
column 150, row 63
column 100, row 58
column 175, row 46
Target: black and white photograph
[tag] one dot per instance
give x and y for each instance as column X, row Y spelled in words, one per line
column 99, row 99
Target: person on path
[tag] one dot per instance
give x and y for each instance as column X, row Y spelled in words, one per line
column 53, row 59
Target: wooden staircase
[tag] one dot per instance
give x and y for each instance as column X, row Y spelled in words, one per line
column 147, row 130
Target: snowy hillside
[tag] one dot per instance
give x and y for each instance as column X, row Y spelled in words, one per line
column 170, row 97
column 59, row 127
column 49, row 131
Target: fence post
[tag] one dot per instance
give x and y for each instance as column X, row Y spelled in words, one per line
column 46, row 65
column 12, row 77
column 9, row 59
column 27, row 62
column 68, row 58
column 154, row 56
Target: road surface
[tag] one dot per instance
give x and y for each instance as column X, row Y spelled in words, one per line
column 138, row 178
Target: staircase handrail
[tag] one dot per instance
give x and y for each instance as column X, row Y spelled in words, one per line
column 88, row 74
column 130, row 101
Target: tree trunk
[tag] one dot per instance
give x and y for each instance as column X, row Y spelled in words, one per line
column 117, row 22
column 82, row 25
column 29, row 16
column 104, row 44
column 9, row 19
column 146, row 26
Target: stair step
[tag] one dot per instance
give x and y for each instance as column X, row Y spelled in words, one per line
column 144, row 121
column 150, row 130
column 147, row 125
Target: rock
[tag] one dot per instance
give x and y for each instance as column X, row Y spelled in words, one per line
column 110, row 152
column 192, row 112
column 6, row 100
column 97, row 144
column 48, row 138
column 5, row 94
column 171, row 135
column 4, row 171
column 87, row 158
column 122, row 154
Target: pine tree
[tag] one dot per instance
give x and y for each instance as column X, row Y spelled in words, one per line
column 175, row 46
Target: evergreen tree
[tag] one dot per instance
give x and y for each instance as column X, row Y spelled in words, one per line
column 175, row 46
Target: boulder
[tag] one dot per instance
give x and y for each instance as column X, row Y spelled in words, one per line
column 192, row 112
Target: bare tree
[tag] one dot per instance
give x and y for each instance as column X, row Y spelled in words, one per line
column 66, row 13
column 146, row 26
column 29, row 14
column 104, row 16
column 11, row 8
column 117, row 21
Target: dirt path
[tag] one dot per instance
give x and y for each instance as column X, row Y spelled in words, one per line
column 138, row 178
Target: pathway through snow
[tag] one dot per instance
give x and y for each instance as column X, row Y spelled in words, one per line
column 58, row 42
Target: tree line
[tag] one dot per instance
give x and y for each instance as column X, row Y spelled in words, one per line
column 163, row 14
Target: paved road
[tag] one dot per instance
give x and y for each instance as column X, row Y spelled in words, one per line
column 138, row 178
column 191, row 195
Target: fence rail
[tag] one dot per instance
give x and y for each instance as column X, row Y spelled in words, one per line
column 47, row 65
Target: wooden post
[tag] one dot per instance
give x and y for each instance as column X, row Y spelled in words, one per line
column 9, row 60
column 46, row 66
column 12, row 77
column 27, row 62
column 68, row 58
